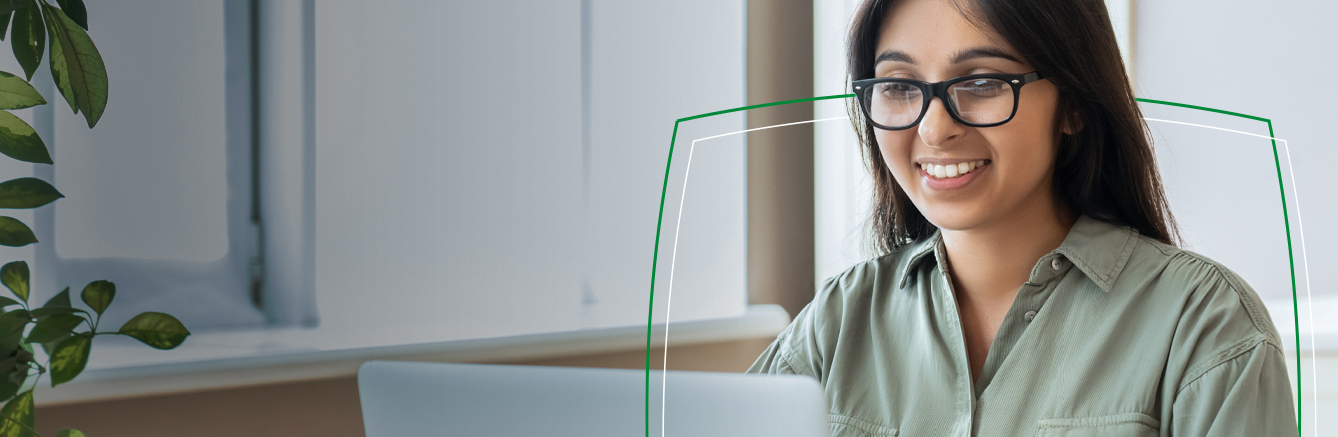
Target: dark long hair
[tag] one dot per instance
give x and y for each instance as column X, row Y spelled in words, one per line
column 1106, row 170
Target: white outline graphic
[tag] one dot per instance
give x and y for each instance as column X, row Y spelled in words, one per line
column 1305, row 261
column 1296, row 197
column 673, row 259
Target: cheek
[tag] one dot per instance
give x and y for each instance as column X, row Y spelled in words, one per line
column 1026, row 146
column 896, row 149
column 1024, row 159
column 1035, row 126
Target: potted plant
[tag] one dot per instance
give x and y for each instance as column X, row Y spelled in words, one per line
column 64, row 331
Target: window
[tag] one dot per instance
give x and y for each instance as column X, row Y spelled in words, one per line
column 439, row 175
column 158, row 195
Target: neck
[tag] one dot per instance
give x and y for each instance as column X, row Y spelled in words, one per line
column 989, row 263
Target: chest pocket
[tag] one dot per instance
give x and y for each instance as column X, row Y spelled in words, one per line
column 1116, row 425
column 846, row 426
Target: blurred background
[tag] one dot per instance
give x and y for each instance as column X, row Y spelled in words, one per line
column 308, row 185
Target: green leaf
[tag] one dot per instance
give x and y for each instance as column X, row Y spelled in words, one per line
column 54, row 328
column 98, row 295
column 12, row 322
column 16, row 93
column 20, row 141
column 76, row 11
column 76, row 66
column 23, row 362
column 57, row 305
column 50, row 346
column 15, row 276
column 7, row 6
column 28, row 38
column 42, row 313
column 70, row 358
column 70, row 433
column 17, row 359
column 4, row 27
column 12, row 325
column 7, row 388
column 14, row 233
column 60, row 300
column 4, row 302
column 18, row 416
column 26, row 193
column 158, row 330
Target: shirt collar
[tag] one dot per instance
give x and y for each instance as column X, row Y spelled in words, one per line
column 919, row 251
column 1099, row 249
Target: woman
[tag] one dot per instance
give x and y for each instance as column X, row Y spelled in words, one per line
column 1030, row 284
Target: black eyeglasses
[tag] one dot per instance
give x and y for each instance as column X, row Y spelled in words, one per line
column 978, row 100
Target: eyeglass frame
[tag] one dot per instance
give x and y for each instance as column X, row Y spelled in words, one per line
column 940, row 89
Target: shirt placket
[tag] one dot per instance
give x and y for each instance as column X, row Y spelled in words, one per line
column 940, row 285
column 1026, row 307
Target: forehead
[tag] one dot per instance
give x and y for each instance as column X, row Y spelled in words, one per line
column 932, row 31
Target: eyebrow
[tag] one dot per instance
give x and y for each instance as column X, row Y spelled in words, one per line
column 959, row 57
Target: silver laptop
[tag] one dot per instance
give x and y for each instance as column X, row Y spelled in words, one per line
column 435, row 399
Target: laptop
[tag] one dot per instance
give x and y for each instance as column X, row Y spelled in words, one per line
column 439, row 399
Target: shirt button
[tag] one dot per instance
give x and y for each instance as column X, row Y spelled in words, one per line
column 1029, row 315
column 1056, row 264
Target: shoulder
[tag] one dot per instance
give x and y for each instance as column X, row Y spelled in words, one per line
column 853, row 293
column 1215, row 315
column 841, row 302
column 882, row 273
column 1206, row 288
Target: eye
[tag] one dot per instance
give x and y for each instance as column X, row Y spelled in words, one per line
column 897, row 90
column 983, row 88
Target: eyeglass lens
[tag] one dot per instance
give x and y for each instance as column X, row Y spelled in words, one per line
column 976, row 101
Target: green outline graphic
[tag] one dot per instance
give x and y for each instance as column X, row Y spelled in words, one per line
column 650, row 318
column 1286, row 222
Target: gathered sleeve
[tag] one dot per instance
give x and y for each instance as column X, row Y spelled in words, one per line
column 1249, row 394
column 1230, row 372
column 805, row 346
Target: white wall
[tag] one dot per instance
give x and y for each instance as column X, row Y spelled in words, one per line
column 454, row 194
column 841, row 184
column 1259, row 61
column 1269, row 62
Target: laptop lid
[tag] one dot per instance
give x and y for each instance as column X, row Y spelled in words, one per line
column 407, row 398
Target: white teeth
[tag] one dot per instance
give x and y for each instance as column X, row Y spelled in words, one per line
column 951, row 170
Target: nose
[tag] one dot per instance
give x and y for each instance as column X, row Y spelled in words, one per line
column 938, row 127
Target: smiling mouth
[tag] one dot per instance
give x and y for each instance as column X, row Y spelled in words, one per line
column 950, row 171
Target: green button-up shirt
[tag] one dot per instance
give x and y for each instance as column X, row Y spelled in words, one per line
column 1113, row 334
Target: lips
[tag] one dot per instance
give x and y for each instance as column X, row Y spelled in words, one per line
column 950, row 171
column 949, row 175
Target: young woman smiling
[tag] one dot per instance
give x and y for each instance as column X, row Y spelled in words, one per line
column 1030, row 282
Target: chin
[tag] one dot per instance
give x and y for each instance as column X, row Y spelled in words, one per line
column 954, row 219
